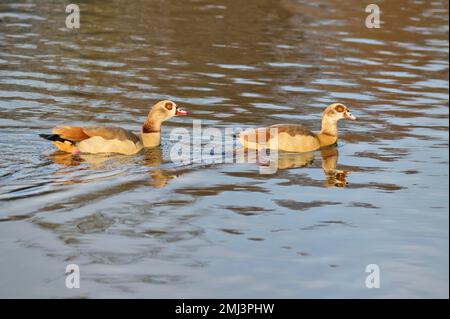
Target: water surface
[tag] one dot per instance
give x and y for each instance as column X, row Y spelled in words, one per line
column 142, row 226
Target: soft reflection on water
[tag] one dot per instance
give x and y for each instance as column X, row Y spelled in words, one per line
column 142, row 226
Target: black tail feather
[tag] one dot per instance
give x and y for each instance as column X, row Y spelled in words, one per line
column 54, row 138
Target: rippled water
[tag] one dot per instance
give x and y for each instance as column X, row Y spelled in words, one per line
column 142, row 226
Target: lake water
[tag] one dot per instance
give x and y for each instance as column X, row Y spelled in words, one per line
column 143, row 226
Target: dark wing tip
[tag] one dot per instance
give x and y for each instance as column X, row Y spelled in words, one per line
column 49, row 137
column 53, row 137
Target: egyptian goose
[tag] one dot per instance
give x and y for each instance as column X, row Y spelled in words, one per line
column 296, row 138
column 109, row 139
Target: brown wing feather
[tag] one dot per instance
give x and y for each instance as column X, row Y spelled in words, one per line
column 77, row 133
column 257, row 135
column 294, row 130
column 72, row 133
column 110, row 133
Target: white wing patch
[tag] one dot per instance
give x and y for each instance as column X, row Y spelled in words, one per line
column 283, row 142
column 297, row 143
column 98, row 144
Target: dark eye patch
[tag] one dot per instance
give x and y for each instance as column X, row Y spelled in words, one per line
column 340, row 108
column 168, row 105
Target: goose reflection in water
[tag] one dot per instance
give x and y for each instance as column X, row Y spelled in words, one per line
column 160, row 177
column 333, row 177
column 149, row 158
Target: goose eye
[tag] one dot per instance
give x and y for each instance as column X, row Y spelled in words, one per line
column 168, row 105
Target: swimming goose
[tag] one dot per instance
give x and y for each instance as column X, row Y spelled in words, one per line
column 296, row 138
column 109, row 139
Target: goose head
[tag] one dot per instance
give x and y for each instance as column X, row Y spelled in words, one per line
column 338, row 111
column 164, row 110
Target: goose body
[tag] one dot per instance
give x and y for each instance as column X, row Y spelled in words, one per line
column 110, row 139
column 297, row 138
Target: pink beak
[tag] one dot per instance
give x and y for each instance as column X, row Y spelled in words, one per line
column 180, row 112
column 349, row 116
